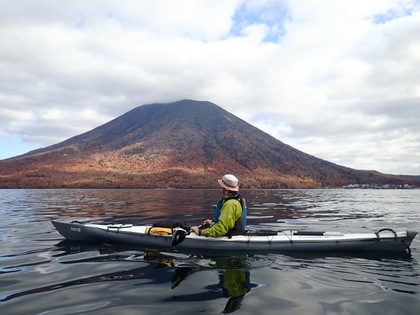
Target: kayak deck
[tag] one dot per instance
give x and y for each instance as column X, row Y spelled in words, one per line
column 287, row 240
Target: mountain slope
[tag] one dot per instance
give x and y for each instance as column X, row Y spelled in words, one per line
column 186, row 144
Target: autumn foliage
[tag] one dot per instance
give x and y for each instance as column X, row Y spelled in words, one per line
column 187, row 144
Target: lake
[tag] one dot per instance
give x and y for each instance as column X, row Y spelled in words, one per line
column 40, row 273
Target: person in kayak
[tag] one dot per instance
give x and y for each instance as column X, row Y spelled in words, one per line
column 230, row 212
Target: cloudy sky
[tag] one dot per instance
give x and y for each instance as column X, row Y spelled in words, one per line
column 336, row 79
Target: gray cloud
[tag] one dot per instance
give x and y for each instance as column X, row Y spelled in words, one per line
column 336, row 80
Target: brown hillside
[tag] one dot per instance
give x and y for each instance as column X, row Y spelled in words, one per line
column 186, row 144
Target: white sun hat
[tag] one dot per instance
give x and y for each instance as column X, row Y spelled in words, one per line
column 229, row 182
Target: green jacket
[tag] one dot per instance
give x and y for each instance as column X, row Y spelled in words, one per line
column 231, row 212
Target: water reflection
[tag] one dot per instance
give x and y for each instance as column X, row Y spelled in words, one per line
column 233, row 282
column 107, row 254
column 151, row 268
column 315, row 207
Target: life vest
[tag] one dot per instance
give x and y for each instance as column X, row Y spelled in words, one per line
column 240, row 224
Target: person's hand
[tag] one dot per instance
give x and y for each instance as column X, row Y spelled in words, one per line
column 207, row 223
column 195, row 230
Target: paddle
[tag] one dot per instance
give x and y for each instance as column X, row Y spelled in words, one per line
column 179, row 235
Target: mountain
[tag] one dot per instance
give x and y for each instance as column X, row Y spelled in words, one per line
column 413, row 177
column 186, row 144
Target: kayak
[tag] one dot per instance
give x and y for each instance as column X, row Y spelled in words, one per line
column 250, row 240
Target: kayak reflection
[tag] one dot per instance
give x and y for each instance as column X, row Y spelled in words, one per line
column 233, row 283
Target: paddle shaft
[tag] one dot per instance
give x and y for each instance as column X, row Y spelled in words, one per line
column 189, row 232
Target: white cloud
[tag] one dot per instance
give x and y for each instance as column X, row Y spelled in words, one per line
column 336, row 79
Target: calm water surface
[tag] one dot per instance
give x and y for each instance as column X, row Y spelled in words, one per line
column 42, row 274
